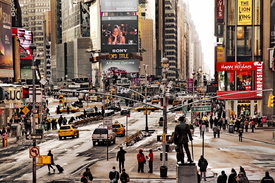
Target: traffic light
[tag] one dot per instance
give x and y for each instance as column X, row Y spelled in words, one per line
column 25, row 92
column 271, row 101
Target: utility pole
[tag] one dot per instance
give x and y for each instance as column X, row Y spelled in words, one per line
column 33, row 47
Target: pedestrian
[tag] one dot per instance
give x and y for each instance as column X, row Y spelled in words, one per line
column 87, row 176
column 252, row 122
column 68, row 110
column 232, row 176
column 141, row 161
column 222, row 178
column 60, row 120
column 121, row 158
column 124, row 177
column 246, row 123
column 114, row 175
column 52, row 162
column 243, row 178
column 203, row 166
column 150, row 159
column 267, row 178
column 64, row 121
column 215, row 131
column 240, row 134
column 71, row 119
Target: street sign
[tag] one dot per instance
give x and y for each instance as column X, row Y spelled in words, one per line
column 107, row 122
column 206, row 108
column 25, row 110
column 34, row 152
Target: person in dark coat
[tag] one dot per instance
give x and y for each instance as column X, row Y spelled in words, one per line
column 203, row 166
column 124, row 177
column 52, row 162
column 222, row 178
column 267, row 178
column 232, row 176
column 121, row 158
column 60, row 120
column 182, row 135
column 87, row 176
column 114, row 175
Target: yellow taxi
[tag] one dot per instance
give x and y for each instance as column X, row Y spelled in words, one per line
column 71, row 109
column 68, row 131
column 176, row 102
column 151, row 108
column 155, row 100
column 118, row 128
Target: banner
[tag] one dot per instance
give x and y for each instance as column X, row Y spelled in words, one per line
column 245, row 12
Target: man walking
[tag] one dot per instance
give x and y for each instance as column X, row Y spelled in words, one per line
column 114, row 175
column 121, row 158
column 52, row 162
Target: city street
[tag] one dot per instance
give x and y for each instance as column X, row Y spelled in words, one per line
column 255, row 154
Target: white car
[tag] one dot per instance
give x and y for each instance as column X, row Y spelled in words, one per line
column 177, row 116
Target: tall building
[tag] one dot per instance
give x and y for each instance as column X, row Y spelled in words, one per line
column 32, row 19
column 243, row 30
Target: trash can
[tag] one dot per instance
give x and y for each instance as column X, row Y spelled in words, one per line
column 231, row 128
column 163, row 171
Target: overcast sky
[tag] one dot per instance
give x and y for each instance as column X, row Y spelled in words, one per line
column 202, row 12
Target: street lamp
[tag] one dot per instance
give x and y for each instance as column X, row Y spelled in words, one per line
column 146, row 88
column 165, row 68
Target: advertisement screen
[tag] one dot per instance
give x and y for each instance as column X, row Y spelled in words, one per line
column 25, row 39
column 120, row 67
column 119, row 34
column 6, row 61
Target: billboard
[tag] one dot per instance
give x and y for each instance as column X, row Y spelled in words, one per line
column 245, row 12
column 119, row 5
column 6, row 61
column 119, row 34
column 25, row 39
column 120, row 67
column 244, row 78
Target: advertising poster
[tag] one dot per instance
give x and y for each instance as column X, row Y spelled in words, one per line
column 6, row 61
column 25, row 39
column 245, row 12
column 119, row 34
column 120, row 67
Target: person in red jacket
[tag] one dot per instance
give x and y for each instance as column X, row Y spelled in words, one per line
column 150, row 158
column 141, row 161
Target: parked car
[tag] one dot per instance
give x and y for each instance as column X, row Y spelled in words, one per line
column 118, row 128
column 68, row 131
column 144, row 108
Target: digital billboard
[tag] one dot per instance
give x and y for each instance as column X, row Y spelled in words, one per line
column 120, row 67
column 119, row 34
column 119, row 5
column 25, row 38
column 6, row 61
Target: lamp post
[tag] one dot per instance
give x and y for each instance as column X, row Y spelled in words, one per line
column 146, row 88
column 165, row 68
column 33, row 47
